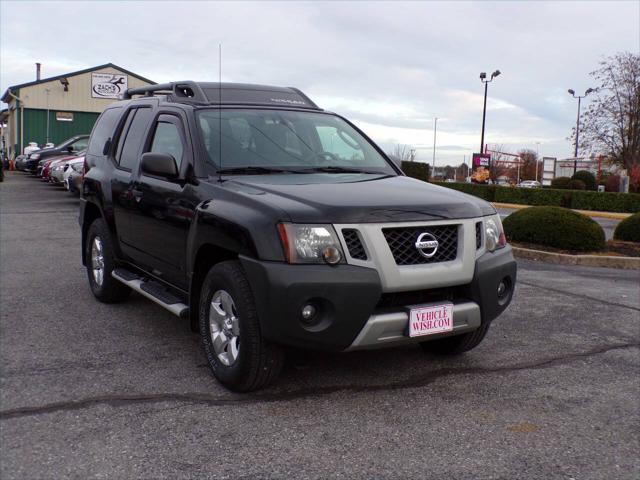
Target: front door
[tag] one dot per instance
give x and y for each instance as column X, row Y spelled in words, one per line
column 165, row 208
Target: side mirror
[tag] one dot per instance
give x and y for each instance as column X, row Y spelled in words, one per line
column 70, row 148
column 159, row 164
column 107, row 146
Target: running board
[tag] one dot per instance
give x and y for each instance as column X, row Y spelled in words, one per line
column 152, row 290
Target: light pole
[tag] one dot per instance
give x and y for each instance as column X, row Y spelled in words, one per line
column 579, row 97
column 483, row 79
column 433, row 162
column 47, row 90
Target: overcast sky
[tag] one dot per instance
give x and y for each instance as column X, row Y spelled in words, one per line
column 389, row 67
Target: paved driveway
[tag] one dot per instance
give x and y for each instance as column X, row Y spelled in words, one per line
column 122, row 391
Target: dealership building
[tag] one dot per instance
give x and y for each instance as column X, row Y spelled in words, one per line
column 50, row 110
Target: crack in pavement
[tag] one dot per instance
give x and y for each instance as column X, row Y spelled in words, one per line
column 579, row 295
column 247, row 399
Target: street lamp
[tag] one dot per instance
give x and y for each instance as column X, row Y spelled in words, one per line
column 483, row 79
column 579, row 97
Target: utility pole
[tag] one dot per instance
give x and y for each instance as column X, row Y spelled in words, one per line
column 435, row 129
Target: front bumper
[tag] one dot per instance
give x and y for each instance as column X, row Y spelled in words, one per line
column 348, row 298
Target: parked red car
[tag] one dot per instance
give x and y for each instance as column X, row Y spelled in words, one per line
column 46, row 168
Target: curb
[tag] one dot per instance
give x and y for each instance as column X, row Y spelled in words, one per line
column 624, row 263
column 589, row 213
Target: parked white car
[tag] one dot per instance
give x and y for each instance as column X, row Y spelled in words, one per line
column 77, row 164
column 529, row 184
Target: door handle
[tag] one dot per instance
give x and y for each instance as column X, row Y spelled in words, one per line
column 137, row 194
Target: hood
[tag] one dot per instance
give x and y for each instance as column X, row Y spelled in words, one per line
column 349, row 198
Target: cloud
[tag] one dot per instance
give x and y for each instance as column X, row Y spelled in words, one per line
column 390, row 67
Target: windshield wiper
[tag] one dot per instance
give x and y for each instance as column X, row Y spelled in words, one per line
column 251, row 170
column 336, row 169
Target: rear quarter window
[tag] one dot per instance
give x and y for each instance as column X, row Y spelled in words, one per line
column 104, row 129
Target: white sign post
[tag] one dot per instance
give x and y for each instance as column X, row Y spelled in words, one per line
column 108, row 85
column 548, row 170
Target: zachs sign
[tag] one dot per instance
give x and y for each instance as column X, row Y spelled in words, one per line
column 107, row 85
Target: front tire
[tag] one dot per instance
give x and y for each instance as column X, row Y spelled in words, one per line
column 230, row 331
column 457, row 344
column 100, row 262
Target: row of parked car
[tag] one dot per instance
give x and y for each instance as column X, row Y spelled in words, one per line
column 61, row 165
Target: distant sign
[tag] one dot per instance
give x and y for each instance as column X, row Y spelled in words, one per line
column 481, row 160
column 548, row 170
column 108, row 85
column 64, row 116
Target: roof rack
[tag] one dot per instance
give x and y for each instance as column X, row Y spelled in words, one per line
column 186, row 89
column 206, row 93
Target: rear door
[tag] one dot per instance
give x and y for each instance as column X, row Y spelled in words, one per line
column 126, row 157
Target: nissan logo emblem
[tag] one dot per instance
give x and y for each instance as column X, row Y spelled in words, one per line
column 427, row 245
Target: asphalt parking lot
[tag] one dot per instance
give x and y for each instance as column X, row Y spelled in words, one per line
column 123, row 391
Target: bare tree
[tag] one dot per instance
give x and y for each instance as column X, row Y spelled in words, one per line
column 528, row 164
column 404, row 152
column 501, row 164
column 611, row 124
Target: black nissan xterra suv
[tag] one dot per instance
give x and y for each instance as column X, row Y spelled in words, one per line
column 269, row 223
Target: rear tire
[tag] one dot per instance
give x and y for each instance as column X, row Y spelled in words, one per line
column 239, row 357
column 457, row 344
column 100, row 262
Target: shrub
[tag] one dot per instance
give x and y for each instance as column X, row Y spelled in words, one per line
column 555, row 227
column 486, row 192
column 533, row 196
column 628, row 230
column 417, row 170
column 605, row 202
column 575, row 184
column 560, row 182
column 578, row 199
column 612, row 184
column 587, row 177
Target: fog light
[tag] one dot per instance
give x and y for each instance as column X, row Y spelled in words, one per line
column 504, row 291
column 331, row 255
column 308, row 312
column 501, row 289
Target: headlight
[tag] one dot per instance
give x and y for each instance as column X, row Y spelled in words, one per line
column 310, row 243
column 494, row 234
column 34, row 156
column 77, row 167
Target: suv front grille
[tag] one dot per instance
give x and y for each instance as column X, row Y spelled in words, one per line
column 354, row 244
column 478, row 235
column 402, row 244
column 417, row 297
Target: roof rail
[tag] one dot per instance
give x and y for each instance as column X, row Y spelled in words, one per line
column 186, row 90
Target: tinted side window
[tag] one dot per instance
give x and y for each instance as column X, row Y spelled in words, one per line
column 80, row 144
column 166, row 139
column 130, row 153
column 103, row 129
column 123, row 134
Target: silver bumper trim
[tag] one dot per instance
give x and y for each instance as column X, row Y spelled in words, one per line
column 388, row 329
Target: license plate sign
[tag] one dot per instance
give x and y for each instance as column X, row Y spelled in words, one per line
column 431, row 319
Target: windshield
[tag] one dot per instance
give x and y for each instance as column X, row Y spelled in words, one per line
column 262, row 141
